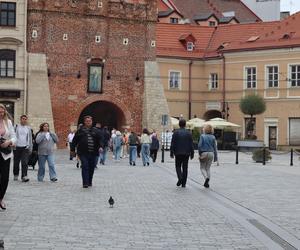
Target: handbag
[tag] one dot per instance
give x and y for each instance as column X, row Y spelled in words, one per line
column 7, row 150
column 203, row 157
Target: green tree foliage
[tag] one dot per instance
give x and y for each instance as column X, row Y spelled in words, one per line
column 252, row 105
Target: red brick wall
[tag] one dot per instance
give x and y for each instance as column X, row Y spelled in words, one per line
column 82, row 21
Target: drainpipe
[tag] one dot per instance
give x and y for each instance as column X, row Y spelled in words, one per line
column 25, row 109
column 190, row 89
column 224, row 86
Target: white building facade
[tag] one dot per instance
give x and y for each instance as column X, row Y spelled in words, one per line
column 267, row 10
column 13, row 56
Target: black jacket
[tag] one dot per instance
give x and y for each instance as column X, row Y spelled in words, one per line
column 80, row 141
column 154, row 144
column 182, row 143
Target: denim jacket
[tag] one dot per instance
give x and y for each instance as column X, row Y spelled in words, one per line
column 207, row 143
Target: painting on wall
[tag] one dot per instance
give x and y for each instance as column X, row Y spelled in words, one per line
column 95, row 78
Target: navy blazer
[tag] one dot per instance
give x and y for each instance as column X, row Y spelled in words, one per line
column 182, row 143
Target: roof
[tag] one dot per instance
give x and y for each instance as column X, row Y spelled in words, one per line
column 204, row 17
column 169, row 35
column 212, row 41
column 167, row 13
column 191, row 8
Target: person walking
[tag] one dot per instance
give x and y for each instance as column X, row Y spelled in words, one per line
column 207, row 152
column 23, row 148
column 106, row 138
column 69, row 141
column 46, row 140
column 182, row 148
column 145, row 150
column 154, row 147
column 89, row 142
column 133, row 141
column 8, row 139
column 117, row 145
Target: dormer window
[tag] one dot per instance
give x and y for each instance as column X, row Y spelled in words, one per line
column 212, row 23
column 190, row 46
column 174, row 20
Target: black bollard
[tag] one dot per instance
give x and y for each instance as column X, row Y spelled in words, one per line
column 264, row 156
column 163, row 154
column 237, row 155
column 292, row 157
column 1, row 244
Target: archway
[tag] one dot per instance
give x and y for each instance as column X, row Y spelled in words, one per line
column 106, row 113
column 212, row 114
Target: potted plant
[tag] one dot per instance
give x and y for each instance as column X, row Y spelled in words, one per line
column 252, row 105
column 195, row 136
column 257, row 155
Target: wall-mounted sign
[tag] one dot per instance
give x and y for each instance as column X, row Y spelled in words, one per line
column 10, row 94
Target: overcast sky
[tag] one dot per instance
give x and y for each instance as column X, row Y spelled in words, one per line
column 290, row 5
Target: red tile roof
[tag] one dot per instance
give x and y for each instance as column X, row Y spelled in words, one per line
column 210, row 42
column 168, row 40
column 192, row 8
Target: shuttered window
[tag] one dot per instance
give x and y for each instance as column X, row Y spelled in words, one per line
column 294, row 131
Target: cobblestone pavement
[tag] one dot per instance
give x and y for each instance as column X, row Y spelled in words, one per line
column 249, row 206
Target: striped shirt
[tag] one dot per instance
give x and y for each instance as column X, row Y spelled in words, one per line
column 90, row 140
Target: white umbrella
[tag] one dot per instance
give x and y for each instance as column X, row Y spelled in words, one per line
column 174, row 122
column 195, row 123
column 220, row 123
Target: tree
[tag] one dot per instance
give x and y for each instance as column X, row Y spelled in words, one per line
column 252, row 105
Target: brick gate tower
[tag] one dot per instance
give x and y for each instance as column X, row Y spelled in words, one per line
column 93, row 57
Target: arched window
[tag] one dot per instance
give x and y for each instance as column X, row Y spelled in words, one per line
column 7, row 63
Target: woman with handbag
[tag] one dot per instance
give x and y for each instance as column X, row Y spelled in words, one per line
column 207, row 152
column 46, row 140
column 7, row 140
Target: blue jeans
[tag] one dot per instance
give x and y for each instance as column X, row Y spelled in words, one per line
column 88, row 163
column 103, row 155
column 132, row 154
column 42, row 162
column 118, row 153
column 145, row 153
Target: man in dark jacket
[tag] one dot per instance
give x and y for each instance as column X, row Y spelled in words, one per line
column 88, row 141
column 182, row 148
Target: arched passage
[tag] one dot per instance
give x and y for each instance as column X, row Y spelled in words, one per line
column 210, row 114
column 106, row 113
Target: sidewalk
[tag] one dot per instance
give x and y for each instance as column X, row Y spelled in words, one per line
column 150, row 212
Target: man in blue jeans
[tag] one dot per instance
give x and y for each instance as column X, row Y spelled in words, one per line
column 133, row 142
column 88, row 141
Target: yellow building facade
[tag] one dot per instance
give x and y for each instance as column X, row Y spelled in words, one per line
column 214, row 87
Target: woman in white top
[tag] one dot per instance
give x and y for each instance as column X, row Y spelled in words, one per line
column 8, row 139
column 145, row 141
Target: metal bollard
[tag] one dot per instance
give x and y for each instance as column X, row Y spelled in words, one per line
column 163, row 154
column 264, row 156
column 237, row 155
column 292, row 157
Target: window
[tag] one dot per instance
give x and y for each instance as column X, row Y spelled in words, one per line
column 174, row 79
column 213, row 78
column 295, row 75
column 7, row 14
column 190, row 46
column 250, row 77
column 7, row 63
column 294, row 129
column 272, row 76
column 212, row 23
column 173, row 20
